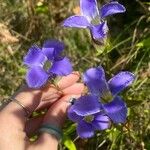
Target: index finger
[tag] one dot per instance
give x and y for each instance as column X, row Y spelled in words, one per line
column 69, row 80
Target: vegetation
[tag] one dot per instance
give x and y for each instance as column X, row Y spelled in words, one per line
column 23, row 23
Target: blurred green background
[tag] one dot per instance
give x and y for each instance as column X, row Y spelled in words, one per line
column 25, row 22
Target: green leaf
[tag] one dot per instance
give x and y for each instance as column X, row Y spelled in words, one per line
column 103, row 49
column 70, row 130
column 22, row 71
column 42, row 9
column 114, row 133
column 114, row 137
column 69, row 143
column 148, row 3
column 144, row 43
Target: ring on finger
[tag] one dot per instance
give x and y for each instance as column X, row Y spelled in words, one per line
column 26, row 109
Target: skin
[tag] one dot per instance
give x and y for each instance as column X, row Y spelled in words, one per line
column 16, row 128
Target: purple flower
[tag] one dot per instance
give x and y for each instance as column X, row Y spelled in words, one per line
column 86, row 112
column 93, row 18
column 102, row 105
column 107, row 92
column 45, row 63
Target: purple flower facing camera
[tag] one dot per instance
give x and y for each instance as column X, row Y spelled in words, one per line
column 93, row 18
column 102, row 105
column 45, row 63
column 87, row 113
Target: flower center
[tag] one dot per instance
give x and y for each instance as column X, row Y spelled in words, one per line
column 106, row 97
column 89, row 118
column 95, row 21
column 47, row 65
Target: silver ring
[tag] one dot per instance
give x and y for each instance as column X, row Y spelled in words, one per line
column 26, row 109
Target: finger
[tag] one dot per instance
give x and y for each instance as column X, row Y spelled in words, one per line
column 69, row 80
column 49, row 92
column 56, row 115
column 57, row 112
column 77, row 88
column 47, row 103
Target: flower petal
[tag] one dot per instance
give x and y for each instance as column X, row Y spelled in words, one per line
column 116, row 110
column 61, row 67
column 87, row 105
column 111, row 8
column 52, row 48
column 120, row 81
column 36, row 77
column 101, row 122
column 73, row 116
column 89, row 9
column 76, row 21
column 95, row 80
column 85, row 130
column 49, row 53
column 99, row 31
column 34, row 57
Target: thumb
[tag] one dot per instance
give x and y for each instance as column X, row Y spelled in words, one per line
column 57, row 113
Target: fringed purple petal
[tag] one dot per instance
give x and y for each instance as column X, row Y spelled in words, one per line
column 77, row 22
column 99, row 32
column 120, row 81
column 49, row 53
column 36, row 77
column 111, row 8
column 73, row 116
column 116, row 110
column 85, row 130
column 87, row 105
column 95, row 80
column 52, row 48
column 101, row 122
column 34, row 57
column 61, row 67
column 89, row 9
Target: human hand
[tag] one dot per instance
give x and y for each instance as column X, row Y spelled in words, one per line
column 15, row 128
